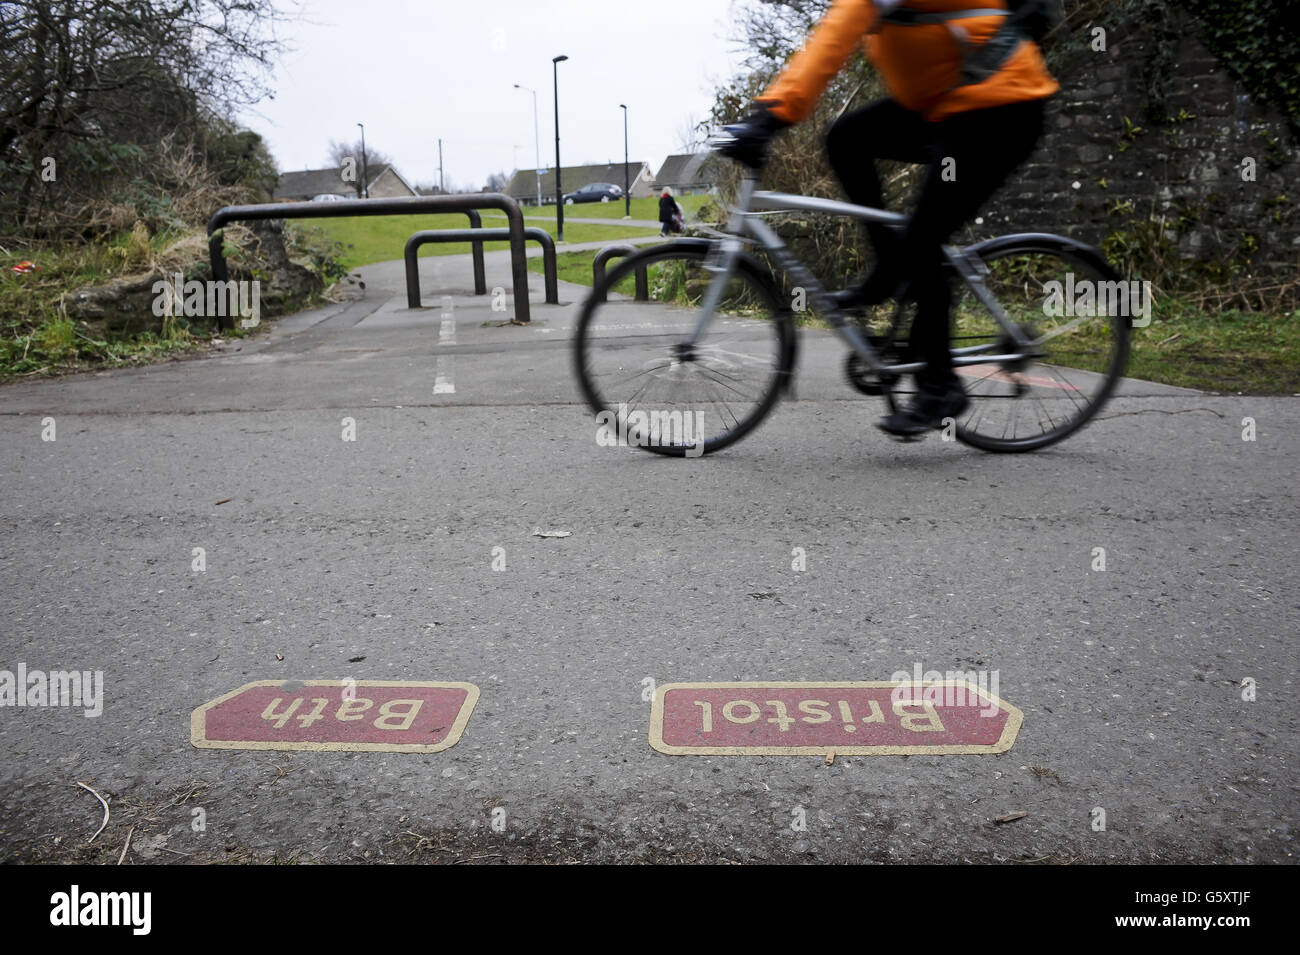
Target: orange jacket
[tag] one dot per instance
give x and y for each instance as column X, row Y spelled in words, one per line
column 920, row 63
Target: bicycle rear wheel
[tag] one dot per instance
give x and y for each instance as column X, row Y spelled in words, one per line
column 1076, row 312
column 646, row 387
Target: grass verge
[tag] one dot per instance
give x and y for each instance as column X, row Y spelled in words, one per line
column 647, row 208
column 1186, row 345
column 370, row 239
column 37, row 338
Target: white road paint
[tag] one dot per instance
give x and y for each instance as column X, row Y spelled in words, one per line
column 442, row 376
column 447, row 331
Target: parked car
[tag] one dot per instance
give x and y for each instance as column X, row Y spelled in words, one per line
column 594, row 192
column 328, row 197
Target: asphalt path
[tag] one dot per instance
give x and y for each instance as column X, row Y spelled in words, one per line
column 372, row 559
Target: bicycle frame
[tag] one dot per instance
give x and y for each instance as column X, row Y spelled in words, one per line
column 745, row 222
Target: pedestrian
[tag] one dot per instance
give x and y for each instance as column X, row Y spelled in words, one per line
column 667, row 209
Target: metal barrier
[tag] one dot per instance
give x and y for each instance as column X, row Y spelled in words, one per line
column 480, row 276
column 478, row 237
column 405, row 205
column 616, row 251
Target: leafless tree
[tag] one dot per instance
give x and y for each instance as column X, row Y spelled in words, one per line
column 95, row 85
column 341, row 151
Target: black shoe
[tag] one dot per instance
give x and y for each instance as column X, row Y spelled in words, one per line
column 925, row 412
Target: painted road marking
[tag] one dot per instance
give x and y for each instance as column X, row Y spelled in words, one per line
column 442, row 383
column 812, row 719
column 351, row 715
column 447, row 330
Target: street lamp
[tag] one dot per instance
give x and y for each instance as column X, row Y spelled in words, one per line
column 365, row 175
column 537, row 143
column 627, row 195
column 559, row 189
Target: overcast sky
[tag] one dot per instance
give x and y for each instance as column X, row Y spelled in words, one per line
column 416, row 71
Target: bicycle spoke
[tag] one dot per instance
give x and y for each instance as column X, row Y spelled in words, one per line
column 1071, row 362
column 714, row 376
column 731, row 374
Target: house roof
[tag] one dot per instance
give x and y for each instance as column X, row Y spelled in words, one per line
column 687, row 171
column 524, row 181
column 315, row 182
column 393, row 169
column 311, row 182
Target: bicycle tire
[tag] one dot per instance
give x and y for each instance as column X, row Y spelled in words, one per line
column 1069, row 254
column 692, row 252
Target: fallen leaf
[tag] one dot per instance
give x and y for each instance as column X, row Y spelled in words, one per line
column 538, row 532
column 1010, row 817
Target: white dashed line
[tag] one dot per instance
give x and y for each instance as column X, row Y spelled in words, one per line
column 442, row 383
column 447, row 331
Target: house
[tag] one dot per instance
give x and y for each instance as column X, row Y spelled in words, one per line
column 385, row 182
column 688, row 173
column 523, row 184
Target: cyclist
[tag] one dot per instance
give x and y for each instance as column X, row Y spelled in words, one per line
column 971, row 129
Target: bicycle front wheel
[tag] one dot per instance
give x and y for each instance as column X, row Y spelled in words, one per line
column 647, row 387
column 1075, row 312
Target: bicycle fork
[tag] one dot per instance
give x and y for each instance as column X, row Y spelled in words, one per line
column 722, row 264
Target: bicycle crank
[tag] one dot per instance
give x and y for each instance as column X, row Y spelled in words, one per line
column 861, row 376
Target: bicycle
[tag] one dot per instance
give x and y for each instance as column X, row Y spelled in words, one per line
column 675, row 365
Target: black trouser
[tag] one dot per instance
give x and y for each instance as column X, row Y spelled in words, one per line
column 985, row 145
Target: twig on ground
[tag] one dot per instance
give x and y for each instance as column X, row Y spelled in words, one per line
column 126, row 845
column 105, row 804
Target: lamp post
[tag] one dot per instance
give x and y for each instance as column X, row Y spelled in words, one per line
column 559, row 189
column 627, row 194
column 537, row 143
column 365, row 176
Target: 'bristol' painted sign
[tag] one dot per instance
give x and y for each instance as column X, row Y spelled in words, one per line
column 814, row 719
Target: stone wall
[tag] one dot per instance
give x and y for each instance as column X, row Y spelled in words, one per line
column 1152, row 141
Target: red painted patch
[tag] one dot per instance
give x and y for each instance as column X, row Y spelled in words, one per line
column 336, row 715
column 983, row 373
column 850, row 718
